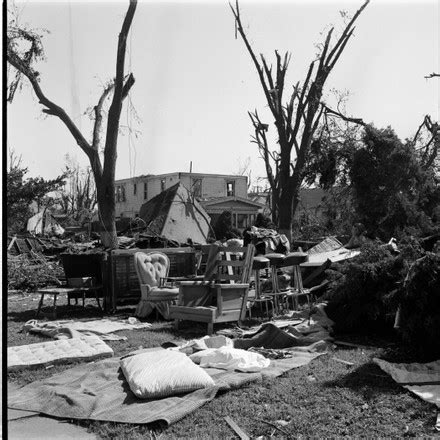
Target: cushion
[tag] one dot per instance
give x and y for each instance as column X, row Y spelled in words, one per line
column 163, row 373
column 228, row 358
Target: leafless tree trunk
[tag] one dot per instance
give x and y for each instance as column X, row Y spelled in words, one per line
column 104, row 173
column 296, row 121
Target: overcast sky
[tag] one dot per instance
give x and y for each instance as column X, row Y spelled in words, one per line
column 195, row 82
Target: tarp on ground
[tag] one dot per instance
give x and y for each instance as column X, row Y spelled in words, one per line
column 421, row 379
column 99, row 391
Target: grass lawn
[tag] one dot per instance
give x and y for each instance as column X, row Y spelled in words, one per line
column 326, row 398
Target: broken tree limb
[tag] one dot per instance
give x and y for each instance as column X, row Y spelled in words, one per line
column 237, row 429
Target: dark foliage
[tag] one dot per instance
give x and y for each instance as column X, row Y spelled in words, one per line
column 358, row 291
column 420, row 307
column 223, row 227
column 392, row 191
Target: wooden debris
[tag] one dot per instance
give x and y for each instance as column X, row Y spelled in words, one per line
column 343, row 362
column 350, row 344
column 237, row 429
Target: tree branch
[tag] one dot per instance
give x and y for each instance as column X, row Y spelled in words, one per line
column 51, row 107
column 98, row 116
column 240, row 29
column 114, row 113
column 432, row 75
column 329, row 111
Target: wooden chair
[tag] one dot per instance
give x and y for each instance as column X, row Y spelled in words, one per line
column 222, row 295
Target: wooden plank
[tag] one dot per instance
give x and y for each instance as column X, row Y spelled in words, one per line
column 230, row 263
column 228, row 277
column 14, row 239
column 237, row 429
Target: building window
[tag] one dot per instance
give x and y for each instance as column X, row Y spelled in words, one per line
column 145, row 191
column 230, row 188
column 120, row 193
column 162, row 185
column 196, row 188
column 134, row 188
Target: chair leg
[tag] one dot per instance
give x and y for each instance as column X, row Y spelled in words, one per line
column 210, row 328
column 55, row 306
column 176, row 324
column 97, row 300
column 40, row 304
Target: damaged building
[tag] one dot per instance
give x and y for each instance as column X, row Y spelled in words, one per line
column 214, row 192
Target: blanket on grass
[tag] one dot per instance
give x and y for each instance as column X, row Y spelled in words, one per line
column 421, row 379
column 99, row 391
column 66, row 329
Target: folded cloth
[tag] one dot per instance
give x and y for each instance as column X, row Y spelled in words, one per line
column 228, row 358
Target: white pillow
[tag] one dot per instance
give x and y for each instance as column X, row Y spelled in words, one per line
column 228, row 358
column 163, row 373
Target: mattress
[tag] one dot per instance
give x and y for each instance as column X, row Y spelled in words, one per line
column 85, row 348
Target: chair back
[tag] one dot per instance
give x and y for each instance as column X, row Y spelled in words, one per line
column 234, row 264
column 151, row 267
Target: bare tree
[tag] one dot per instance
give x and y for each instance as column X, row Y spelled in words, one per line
column 296, row 121
column 103, row 171
column 78, row 199
column 427, row 143
column 244, row 169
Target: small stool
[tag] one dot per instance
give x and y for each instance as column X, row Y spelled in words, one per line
column 54, row 292
column 294, row 259
column 276, row 261
column 259, row 263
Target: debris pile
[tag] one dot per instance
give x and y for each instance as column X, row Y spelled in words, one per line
column 30, row 271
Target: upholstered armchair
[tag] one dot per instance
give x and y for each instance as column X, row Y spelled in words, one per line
column 152, row 270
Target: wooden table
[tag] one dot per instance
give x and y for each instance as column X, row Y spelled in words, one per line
column 55, row 291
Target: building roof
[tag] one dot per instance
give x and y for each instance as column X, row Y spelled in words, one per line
column 179, row 173
column 221, row 200
column 155, row 211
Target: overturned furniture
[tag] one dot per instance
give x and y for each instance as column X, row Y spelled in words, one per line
column 222, row 295
column 152, row 269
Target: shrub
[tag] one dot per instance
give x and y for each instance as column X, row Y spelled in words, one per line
column 357, row 297
column 420, row 306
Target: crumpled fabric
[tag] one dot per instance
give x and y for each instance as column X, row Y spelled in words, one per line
column 207, row 342
column 229, row 358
